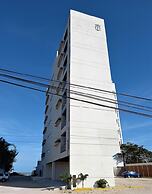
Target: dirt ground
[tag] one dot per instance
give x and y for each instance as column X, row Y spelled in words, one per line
column 25, row 185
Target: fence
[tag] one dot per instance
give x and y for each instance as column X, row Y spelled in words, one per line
column 145, row 169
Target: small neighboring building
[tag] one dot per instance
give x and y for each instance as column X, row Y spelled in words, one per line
column 80, row 137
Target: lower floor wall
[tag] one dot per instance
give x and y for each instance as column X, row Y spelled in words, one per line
column 96, row 167
column 55, row 169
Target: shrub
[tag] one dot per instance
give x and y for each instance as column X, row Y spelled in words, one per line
column 67, row 178
column 101, row 183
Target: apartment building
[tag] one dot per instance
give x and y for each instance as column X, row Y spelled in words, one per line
column 81, row 133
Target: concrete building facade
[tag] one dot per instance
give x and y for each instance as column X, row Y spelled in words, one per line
column 81, row 136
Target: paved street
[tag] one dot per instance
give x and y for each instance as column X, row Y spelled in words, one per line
column 25, row 185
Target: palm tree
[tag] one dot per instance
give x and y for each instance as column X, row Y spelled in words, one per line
column 82, row 177
column 67, row 178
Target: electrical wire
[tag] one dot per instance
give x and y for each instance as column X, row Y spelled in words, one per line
column 80, row 100
column 104, row 99
column 81, row 86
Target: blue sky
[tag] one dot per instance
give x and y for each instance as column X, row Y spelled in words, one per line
column 30, row 31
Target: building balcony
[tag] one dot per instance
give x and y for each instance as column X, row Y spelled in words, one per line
column 44, row 141
column 65, row 35
column 63, row 86
column 42, row 155
column 60, row 58
column 46, row 118
column 46, row 109
column 59, row 73
column 63, row 124
column 64, row 100
column 63, row 119
column 61, row 47
column 65, row 47
column 58, row 104
column 58, row 121
column 57, row 141
column 58, row 89
column 63, row 143
column 64, row 82
column 47, row 98
column 65, row 64
column 44, row 131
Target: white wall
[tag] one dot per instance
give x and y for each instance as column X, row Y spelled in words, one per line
column 94, row 137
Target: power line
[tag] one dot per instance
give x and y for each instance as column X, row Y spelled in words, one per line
column 24, row 74
column 81, row 86
column 80, row 100
column 104, row 99
column 112, row 101
column 24, row 80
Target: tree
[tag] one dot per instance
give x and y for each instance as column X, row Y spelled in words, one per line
column 82, row 177
column 133, row 153
column 7, row 155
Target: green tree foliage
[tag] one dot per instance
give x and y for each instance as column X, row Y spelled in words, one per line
column 7, row 155
column 133, row 153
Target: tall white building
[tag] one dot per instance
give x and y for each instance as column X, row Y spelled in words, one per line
column 81, row 137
